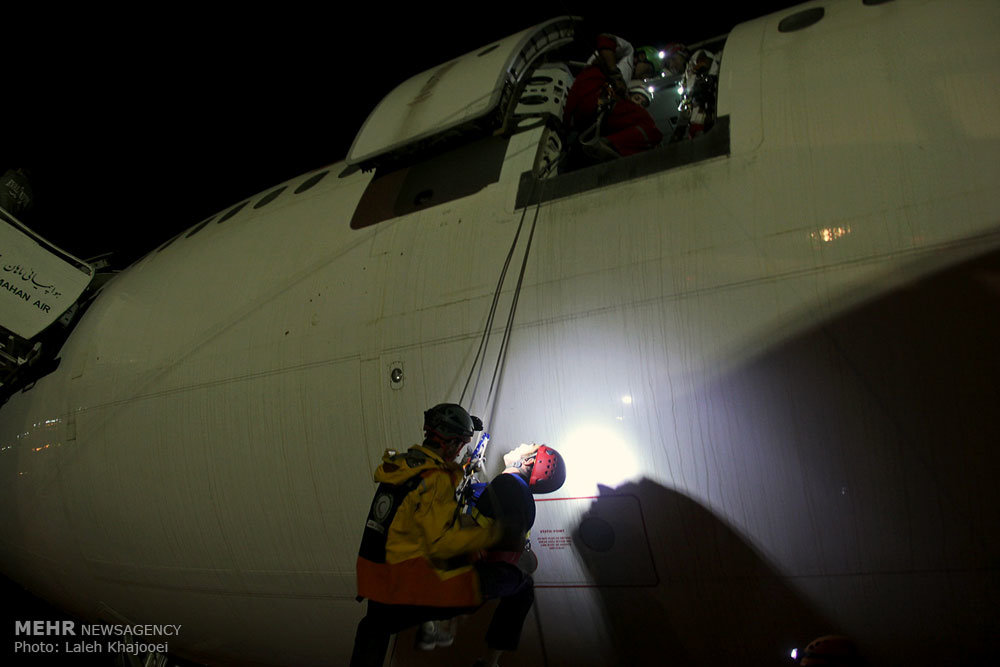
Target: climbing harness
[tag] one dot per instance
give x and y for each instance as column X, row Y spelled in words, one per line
column 594, row 146
column 471, row 465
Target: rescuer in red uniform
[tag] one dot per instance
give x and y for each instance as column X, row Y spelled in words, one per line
column 626, row 128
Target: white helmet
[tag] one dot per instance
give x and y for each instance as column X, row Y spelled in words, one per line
column 637, row 86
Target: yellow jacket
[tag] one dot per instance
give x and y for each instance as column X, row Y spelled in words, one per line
column 413, row 529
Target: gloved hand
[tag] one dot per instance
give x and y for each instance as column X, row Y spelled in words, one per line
column 519, row 453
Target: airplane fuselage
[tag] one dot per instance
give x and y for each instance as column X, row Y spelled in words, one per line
column 770, row 373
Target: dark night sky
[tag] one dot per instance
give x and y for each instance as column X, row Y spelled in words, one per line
column 142, row 133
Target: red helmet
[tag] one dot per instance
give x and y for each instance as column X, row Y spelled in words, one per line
column 549, row 471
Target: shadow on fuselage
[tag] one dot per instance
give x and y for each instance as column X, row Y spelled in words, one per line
column 714, row 597
column 861, row 456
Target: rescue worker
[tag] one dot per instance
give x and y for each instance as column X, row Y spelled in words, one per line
column 675, row 58
column 625, row 128
column 701, row 85
column 648, row 63
column 640, row 93
column 407, row 566
column 509, row 500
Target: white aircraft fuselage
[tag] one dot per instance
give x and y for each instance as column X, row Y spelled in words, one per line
column 772, row 373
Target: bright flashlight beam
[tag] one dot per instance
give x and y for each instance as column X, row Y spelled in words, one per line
column 597, row 454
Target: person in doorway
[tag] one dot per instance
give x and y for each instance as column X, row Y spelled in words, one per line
column 699, row 83
column 648, row 63
column 598, row 108
column 640, row 93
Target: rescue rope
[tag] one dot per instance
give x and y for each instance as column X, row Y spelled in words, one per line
column 505, row 342
column 484, row 340
column 480, row 357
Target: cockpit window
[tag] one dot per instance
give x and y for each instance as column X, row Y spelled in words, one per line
column 233, row 211
column 313, row 180
column 268, row 198
column 801, row 20
column 199, row 227
column 167, row 244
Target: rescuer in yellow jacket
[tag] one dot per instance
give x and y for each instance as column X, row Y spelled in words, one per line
column 412, row 533
column 413, row 564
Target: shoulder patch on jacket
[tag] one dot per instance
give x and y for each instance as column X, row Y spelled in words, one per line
column 387, row 500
